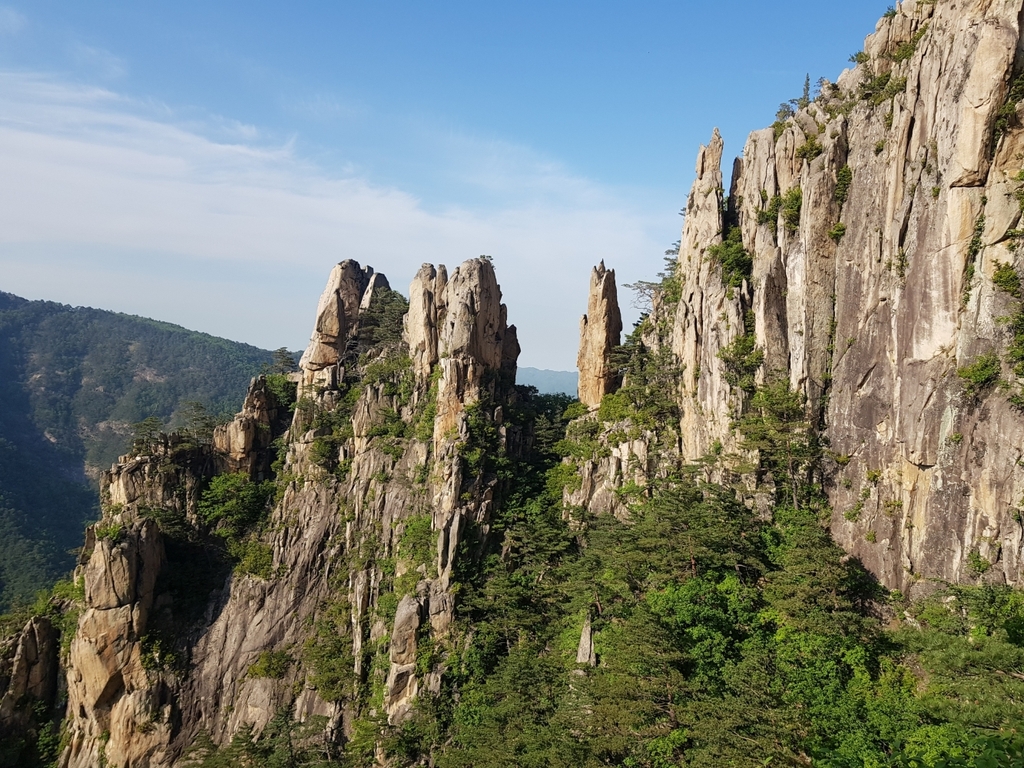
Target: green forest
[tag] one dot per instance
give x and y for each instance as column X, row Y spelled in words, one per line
column 722, row 636
column 73, row 381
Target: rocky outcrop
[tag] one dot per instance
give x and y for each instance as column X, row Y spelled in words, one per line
column 708, row 314
column 875, row 217
column 29, row 676
column 115, row 713
column 860, row 253
column 349, row 289
column 241, row 444
column 375, row 500
column 457, row 332
column 473, row 340
column 600, row 333
column 426, row 304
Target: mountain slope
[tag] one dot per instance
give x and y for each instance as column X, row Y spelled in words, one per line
column 548, row 382
column 73, row 380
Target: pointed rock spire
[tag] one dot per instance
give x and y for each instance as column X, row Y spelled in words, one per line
column 600, row 332
column 349, row 289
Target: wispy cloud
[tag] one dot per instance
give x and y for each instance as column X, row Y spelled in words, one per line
column 324, row 107
column 99, row 60
column 111, row 202
column 11, row 21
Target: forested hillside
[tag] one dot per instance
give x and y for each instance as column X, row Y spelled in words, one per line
column 73, row 381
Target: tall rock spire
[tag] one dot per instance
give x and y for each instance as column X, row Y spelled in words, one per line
column 349, row 289
column 600, row 332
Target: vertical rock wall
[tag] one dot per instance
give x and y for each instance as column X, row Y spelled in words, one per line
column 870, row 299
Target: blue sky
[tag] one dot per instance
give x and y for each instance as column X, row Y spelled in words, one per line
column 206, row 163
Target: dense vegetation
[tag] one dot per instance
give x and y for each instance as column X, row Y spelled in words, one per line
column 73, row 381
column 722, row 633
column 721, row 636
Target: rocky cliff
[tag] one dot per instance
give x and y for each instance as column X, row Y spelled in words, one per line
column 867, row 254
column 338, row 605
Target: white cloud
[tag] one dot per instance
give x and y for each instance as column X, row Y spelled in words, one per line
column 11, row 22
column 111, row 203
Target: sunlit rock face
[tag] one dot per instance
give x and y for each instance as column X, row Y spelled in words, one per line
column 600, row 333
column 872, row 319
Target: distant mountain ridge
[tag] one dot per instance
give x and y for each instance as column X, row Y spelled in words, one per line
column 549, row 382
column 73, row 380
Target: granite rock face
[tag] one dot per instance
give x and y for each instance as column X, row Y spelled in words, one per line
column 600, row 333
column 349, row 290
column 353, row 490
column 876, row 217
column 115, row 711
column 29, row 674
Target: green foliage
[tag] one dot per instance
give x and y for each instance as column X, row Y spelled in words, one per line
column 328, row 653
column 615, row 406
column 906, row 49
column 271, row 664
column 283, row 390
column 1006, row 117
column 776, row 427
column 880, row 88
column 837, row 232
column 158, row 653
column 860, row 57
column 980, row 374
column 235, row 507
column 252, row 557
column 482, row 451
column 418, row 539
column 235, row 504
column 901, row 263
column 283, row 743
column 977, row 563
column 649, row 379
column 381, row 322
column 389, row 424
column 742, row 359
column 145, row 433
column 424, row 429
column 890, row 13
column 732, row 257
column 782, row 116
column 770, row 213
column 810, row 149
column 324, row 452
column 671, row 286
column 792, row 202
column 1007, row 279
column 282, row 362
column 844, row 180
column 974, row 248
column 333, row 427
column 112, row 532
column 574, row 410
column 394, row 373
